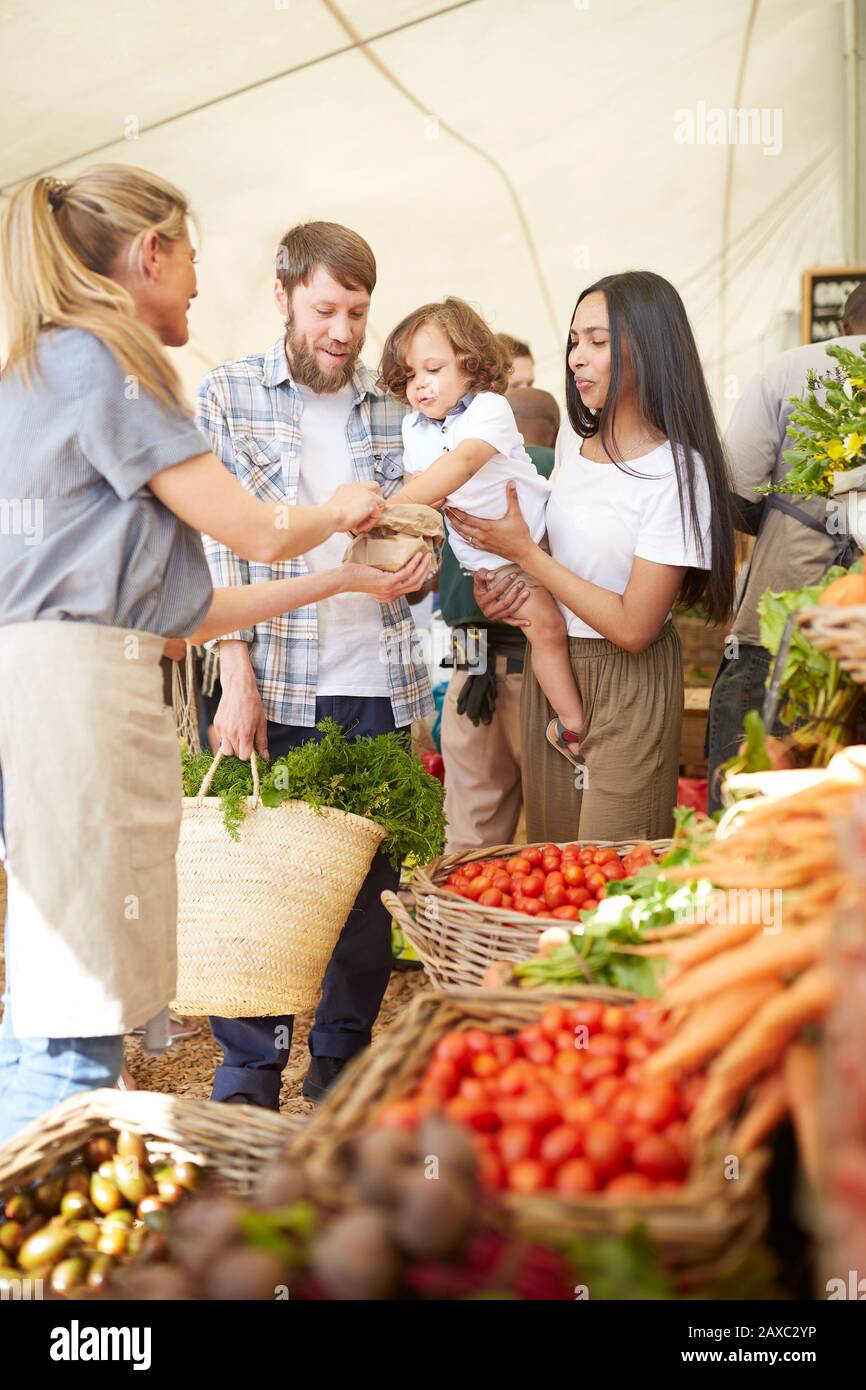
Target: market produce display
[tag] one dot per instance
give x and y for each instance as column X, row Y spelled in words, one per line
column 378, row 778
column 103, row 1208
column 414, row 1223
column 747, row 994
column 563, row 1105
column 550, row 881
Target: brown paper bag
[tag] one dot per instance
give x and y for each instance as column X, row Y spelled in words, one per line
column 404, row 531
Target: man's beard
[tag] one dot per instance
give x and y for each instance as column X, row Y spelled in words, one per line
column 305, row 369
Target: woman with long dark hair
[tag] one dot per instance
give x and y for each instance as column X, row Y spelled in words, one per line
column 638, row 517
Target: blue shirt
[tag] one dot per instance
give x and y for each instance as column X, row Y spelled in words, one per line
column 252, row 411
column 82, row 537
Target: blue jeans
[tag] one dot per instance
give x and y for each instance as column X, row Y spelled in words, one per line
column 36, row 1073
column 255, row 1050
column 740, row 686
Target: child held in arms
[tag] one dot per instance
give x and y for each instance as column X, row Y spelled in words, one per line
column 461, row 447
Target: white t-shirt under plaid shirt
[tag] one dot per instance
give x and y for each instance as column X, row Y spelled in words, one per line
column 251, row 410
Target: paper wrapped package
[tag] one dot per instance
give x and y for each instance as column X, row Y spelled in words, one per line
column 405, row 529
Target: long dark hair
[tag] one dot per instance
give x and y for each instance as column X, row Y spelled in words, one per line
column 672, row 396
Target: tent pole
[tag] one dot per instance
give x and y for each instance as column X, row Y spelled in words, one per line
column 854, row 182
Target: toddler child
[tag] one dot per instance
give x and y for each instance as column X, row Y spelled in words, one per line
column 461, row 446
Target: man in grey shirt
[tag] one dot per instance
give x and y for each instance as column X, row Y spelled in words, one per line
column 791, row 550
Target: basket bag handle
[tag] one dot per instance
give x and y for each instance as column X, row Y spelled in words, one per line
column 211, row 773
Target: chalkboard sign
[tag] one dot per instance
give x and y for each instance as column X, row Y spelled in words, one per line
column 824, row 293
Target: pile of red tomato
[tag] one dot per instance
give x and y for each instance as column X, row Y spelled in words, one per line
column 562, row 1106
column 549, row 881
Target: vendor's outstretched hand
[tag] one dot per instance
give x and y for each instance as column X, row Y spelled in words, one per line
column 383, row 584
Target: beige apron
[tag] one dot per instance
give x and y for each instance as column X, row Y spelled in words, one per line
column 92, row 805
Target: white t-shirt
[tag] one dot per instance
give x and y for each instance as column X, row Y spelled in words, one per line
column 601, row 516
column 349, row 625
column 487, row 417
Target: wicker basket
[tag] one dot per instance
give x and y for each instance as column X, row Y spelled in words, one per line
column 232, row 1141
column 703, row 646
column 704, row 1230
column 840, row 631
column 259, row 917
column 457, row 939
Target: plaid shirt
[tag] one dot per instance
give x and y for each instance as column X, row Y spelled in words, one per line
column 251, row 412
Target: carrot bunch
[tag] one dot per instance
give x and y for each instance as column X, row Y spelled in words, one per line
column 743, row 987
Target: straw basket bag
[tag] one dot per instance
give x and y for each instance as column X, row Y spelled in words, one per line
column 259, row 917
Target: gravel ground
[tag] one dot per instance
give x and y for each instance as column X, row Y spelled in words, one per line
column 187, row 1068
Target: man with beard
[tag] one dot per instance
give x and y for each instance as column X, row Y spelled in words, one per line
column 291, row 423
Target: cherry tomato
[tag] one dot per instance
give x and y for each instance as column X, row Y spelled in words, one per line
column 561, row 1144
column 605, row 856
column 485, row 1065
column 595, row 879
column 552, row 1020
column 473, row 1114
column 606, row 1045
column 537, row 1108
column 491, row 898
column 516, row 1142
column 564, row 1040
column 605, row 1091
column 575, row 1178
column 472, row 870
column 533, row 856
column 594, row 1068
column 629, row 1185
column 568, row 1063
column 568, row 912
column 507, row 901
column 491, row 1171
column 473, row 1088
column 606, row 1148
column 443, row 1073
column 615, row 1020
column 580, row 1111
column 530, row 1034
column 577, row 897
column 659, row 1159
column 528, row 1176
column 517, row 882
column 678, row 1134
column 657, row 1105
column 574, row 875
column 533, row 886
column 554, row 876
column 478, row 1040
column 400, row 1114
column 531, row 906
column 637, row 1049
column 585, row 857
column 504, row 1049
column 588, row 1013
column 452, row 1047
column 551, row 848
column 562, row 1086
column 496, row 865
column 475, row 887
column 613, row 871
column 514, row 1078
column 519, row 865
column 502, row 881
column 460, row 885
column 541, row 1053
column 554, row 896
column 621, row 1109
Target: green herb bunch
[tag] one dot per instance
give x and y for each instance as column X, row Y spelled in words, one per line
column 379, row 778
column 830, row 435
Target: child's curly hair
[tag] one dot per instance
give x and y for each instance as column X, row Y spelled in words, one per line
column 481, row 356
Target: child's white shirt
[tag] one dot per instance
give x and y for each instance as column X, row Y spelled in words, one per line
column 488, row 417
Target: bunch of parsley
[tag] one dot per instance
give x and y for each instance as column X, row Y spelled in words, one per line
column 379, row 778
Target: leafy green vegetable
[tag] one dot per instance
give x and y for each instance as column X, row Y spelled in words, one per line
column 379, row 778
column 816, row 693
column 631, row 907
column 629, row 1266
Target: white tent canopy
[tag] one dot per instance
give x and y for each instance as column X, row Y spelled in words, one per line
column 500, row 150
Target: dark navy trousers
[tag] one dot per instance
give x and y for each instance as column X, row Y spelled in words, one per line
column 255, row 1050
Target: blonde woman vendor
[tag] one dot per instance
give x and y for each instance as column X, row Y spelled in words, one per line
column 106, row 484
